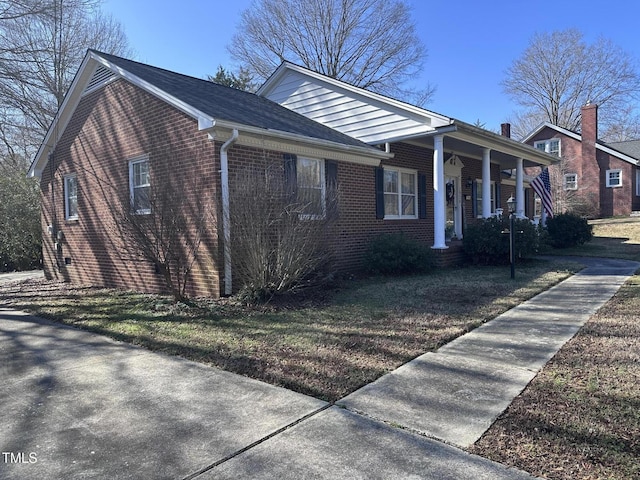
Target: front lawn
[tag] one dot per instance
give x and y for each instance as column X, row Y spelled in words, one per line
column 580, row 417
column 325, row 347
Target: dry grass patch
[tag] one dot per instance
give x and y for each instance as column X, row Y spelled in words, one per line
column 324, row 346
column 612, row 237
column 580, row 417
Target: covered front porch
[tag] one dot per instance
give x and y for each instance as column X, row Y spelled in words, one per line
column 452, row 146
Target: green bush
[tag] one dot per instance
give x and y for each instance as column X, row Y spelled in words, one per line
column 395, row 254
column 568, row 230
column 487, row 241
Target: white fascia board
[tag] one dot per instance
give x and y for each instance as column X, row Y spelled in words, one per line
column 366, row 155
column 493, row 141
column 272, row 81
column 73, row 96
column 184, row 107
column 63, row 115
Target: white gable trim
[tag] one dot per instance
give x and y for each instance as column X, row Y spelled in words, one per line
column 274, row 79
column 90, row 64
column 93, row 61
column 575, row 136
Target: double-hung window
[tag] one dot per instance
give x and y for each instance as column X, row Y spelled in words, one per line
column 492, row 191
column 551, row 146
column 140, row 185
column 311, row 185
column 400, row 193
column 614, row 178
column 571, row 181
column 71, row 197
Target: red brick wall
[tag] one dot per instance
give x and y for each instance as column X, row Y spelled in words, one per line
column 119, row 122
column 109, row 127
column 591, row 166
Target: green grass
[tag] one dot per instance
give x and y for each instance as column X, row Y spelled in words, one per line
column 325, row 347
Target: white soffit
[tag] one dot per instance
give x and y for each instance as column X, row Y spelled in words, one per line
column 367, row 119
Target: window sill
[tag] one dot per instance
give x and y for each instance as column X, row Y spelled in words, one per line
column 398, row 217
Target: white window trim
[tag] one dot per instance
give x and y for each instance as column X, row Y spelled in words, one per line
column 323, row 184
column 479, row 197
column 547, row 145
column 637, row 182
column 67, row 215
column 132, row 162
column 608, row 177
column 400, row 171
column 565, row 183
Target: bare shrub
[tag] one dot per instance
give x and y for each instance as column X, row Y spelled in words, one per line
column 170, row 234
column 279, row 235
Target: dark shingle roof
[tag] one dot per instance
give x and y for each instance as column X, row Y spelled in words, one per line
column 630, row 147
column 230, row 104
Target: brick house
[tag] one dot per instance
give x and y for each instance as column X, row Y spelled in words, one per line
column 593, row 178
column 125, row 126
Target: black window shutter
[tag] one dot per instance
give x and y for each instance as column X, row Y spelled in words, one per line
column 474, row 199
column 379, row 192
column 331, row 178
column 290, row 174
column 422, row 195
column 498, row 195
column 331, row 173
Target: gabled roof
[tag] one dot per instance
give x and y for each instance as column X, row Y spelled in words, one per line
column 365, row 115
column 609, row 148
column 211, row 104
column 629, row 147
column 377, row 119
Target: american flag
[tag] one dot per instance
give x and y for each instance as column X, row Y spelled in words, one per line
column 542, row 186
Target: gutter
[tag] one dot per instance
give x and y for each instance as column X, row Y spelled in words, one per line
column 226, row 214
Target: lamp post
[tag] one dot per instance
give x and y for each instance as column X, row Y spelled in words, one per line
column 511, row 205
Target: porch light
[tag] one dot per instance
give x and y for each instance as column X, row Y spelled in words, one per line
column 511, row 204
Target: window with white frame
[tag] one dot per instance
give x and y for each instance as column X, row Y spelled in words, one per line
column 71, row 197
column 479, row 198
column 311, row 186
column 638, row 182
column 400, row 193
column 570, row 181
column 551, row 146
column 614, row 178
column 140, row 185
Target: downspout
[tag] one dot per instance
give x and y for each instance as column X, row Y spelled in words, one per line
column 226, row 215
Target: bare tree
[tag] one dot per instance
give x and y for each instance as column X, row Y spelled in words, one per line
column 169, row 232
column 368, row 43
column 559, row 72
column 42, row 45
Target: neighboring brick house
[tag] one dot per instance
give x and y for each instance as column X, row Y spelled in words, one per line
column 593, row 178
column 126, row 126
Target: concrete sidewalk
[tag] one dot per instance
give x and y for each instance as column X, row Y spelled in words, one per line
column 78, row 405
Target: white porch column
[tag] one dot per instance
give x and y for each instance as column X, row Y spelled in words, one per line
column 486, row 183
column 439, row 212
column 519, row 188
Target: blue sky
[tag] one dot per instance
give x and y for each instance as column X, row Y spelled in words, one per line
column 470, row 43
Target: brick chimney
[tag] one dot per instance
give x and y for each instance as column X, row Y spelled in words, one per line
column 506, row 129
column 589, row 171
